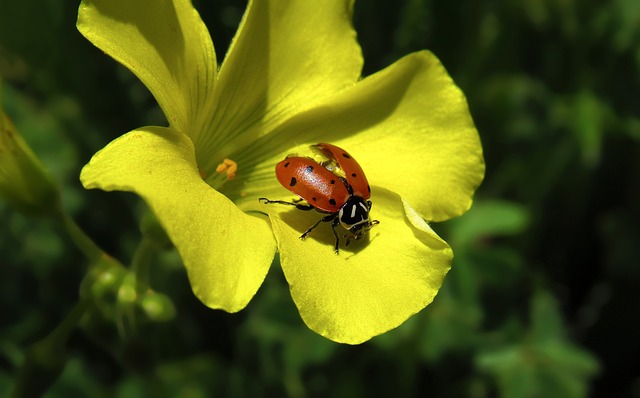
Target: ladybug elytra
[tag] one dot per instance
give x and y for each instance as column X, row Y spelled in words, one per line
column 337, row 187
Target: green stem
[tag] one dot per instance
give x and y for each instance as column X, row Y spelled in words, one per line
column 82, row 241
column 45, row 360
column 60, row 334
column 142, row 261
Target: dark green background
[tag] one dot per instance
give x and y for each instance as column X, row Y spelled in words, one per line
column 543, row 299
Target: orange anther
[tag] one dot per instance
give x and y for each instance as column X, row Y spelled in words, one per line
column 228, row 166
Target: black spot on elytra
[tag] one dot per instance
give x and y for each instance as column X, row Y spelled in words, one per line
column 293, row 182
column 346, row 155
column 309, row 169
column 286, row 164
column 332, row 202
column 314, row 199
column 333, row 181
column 353, row 174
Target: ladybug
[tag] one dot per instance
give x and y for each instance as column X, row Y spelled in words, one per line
column 337, row 187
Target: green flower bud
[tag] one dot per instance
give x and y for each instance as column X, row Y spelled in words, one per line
column 24, row 183
column 103, row 280
column 157, row 307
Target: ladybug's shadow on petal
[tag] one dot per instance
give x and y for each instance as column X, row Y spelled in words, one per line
column 300, row 221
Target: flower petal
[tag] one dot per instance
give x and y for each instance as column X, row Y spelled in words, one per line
column 408, row 126
column 286, row 55
column 226, row 252
column 165, row 44
column 370, row 287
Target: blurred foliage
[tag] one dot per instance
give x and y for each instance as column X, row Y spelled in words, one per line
column 542, row 297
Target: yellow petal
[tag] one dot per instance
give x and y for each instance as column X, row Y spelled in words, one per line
column 371, row 286
column 226, row 251
column 286, row 56
column 165, row 44
column 410, row 129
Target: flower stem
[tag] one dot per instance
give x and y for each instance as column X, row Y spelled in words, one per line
column 142, row 261
column 59, row 335
column 82, row 241
column 45, row 360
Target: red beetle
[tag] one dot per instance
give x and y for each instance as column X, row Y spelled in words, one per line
column 337, row 186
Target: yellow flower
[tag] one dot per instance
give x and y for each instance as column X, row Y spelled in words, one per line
column 291, row 78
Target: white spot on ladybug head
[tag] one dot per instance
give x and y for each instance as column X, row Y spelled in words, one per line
column 354, row 214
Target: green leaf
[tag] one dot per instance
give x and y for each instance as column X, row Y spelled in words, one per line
column 489, row 218
column 544, row 363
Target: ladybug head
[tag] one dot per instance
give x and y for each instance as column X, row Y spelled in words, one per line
column 354, row 216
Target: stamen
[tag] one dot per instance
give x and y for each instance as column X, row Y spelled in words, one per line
column 228, row 166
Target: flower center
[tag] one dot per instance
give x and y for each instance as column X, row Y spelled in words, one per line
column 226, row 171
column 229, row 167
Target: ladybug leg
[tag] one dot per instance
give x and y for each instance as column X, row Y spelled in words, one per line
column 330, row 217
column 294, row 203
column 360, row 236
column 334, row 224
column 335, row 221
